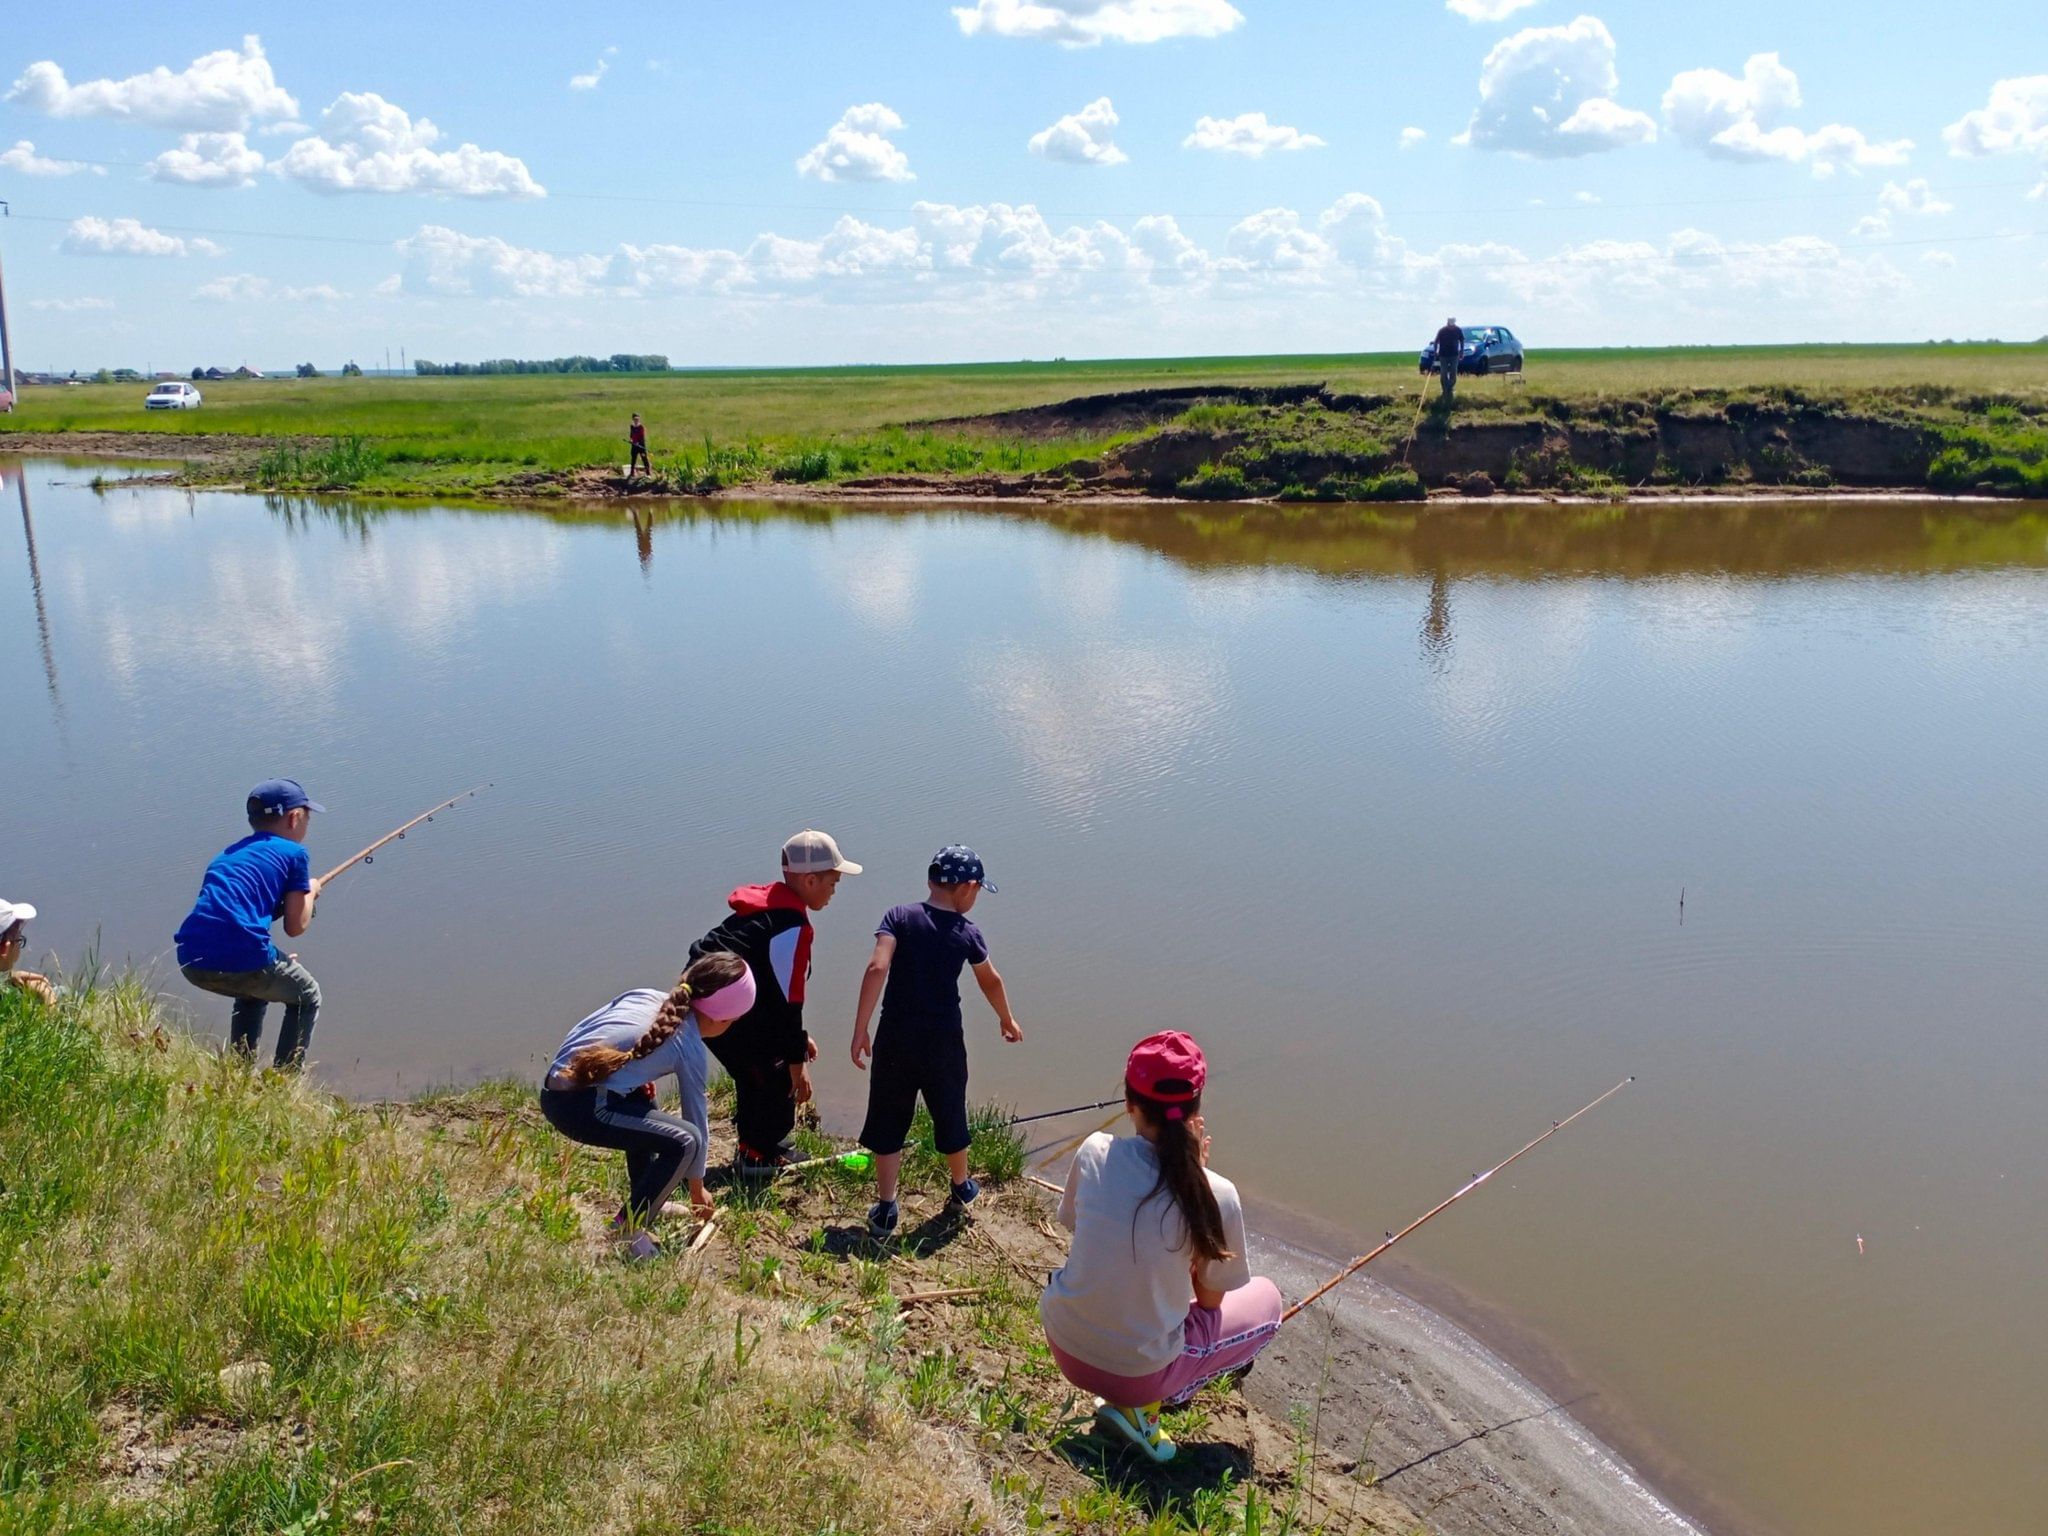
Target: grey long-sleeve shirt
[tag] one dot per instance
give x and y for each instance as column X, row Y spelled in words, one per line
column 620, row 1023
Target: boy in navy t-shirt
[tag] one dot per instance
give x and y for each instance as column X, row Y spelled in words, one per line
column 224, row 943
column 920, row 1046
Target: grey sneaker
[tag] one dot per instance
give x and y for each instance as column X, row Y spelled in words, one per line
column 882, row 1219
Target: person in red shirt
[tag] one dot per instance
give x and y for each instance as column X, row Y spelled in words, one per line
column 637, row 436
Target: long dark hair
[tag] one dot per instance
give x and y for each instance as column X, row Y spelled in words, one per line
column 1182, row 1178
column 594, row 1063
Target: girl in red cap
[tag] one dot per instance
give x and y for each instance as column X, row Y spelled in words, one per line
column 1156, row 1297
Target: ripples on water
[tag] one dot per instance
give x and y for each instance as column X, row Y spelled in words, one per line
column 1394, row 810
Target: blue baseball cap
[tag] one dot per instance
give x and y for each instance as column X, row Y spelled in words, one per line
column 956, row 864
column 273, row 797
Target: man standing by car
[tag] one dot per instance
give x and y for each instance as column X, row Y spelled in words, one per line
column 1450, row 347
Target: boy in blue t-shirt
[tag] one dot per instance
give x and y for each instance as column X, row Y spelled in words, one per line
column 920, row 1047
column 224, row 944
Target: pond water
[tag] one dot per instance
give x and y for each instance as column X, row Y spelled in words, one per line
column 1394, row 812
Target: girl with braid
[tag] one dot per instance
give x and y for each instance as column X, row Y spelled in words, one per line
column 599, row 1089
column 1156, row 1297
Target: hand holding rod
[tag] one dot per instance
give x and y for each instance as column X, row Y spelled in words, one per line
column 1477, row 1179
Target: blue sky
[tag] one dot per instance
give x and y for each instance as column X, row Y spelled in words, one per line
column 823, row 182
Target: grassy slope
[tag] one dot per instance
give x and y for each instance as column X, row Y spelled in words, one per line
column 421, row 1332
column 450, row 432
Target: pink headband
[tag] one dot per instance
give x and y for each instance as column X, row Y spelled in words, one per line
column 729, row 1001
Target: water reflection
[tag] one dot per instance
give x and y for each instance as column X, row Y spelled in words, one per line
column 1393, row 807
column 35, row 581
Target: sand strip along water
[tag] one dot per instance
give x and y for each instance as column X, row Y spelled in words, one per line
column 1446, row 1425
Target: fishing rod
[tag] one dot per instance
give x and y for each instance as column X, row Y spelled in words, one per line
column 367, row 855
column 1436, row 1210
column 1056, row 1114
column 1068, row 1146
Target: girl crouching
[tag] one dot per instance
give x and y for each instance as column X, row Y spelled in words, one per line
column 1156, row 1297
column 599, row 1090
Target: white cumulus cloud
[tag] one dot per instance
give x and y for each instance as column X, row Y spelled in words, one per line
column 2014, row 120
column 1742, row 119
column 368, row 144
column 91, row 236
column 1487, row 10
column 219, row 92
column 1411, row 137
column 23, row 158
column 208, row 160
column 1083, row 137
column 440, row 260
column 1247, row 134
column 587, row 81
column 857, row 148
column 1912, row 199
column 76, row 306
column 248, row 288
column 1085, row 23
column 1549, row 92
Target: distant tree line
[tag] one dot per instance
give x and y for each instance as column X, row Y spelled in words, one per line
column 618, row 362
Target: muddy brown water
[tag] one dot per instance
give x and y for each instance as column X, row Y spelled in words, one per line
column 1393, row 810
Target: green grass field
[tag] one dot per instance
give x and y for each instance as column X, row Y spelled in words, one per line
column 446, row 433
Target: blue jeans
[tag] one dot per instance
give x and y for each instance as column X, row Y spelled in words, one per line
column 281, row 981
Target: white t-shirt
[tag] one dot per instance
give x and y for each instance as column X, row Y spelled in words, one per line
column 1121, row 1302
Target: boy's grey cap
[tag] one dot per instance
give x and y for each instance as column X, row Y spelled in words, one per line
column 812, row 852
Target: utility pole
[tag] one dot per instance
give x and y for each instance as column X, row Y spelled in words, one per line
column 6, row 352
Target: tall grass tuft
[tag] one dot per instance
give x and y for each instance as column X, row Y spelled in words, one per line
column 342, row 461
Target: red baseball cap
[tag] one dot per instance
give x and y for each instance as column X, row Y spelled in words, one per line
column 1167, row 1067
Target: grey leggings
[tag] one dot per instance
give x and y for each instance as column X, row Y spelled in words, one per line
column 281, row 981
column 658, row 1145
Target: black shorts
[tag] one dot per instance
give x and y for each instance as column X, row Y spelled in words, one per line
column 907, row 1064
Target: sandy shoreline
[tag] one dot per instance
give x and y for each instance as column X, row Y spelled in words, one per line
column 1457, row 1412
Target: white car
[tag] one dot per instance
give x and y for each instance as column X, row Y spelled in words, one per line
column 172, row 397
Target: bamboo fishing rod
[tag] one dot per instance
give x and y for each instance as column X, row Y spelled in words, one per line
column 1436, row 1210
column 367, row 855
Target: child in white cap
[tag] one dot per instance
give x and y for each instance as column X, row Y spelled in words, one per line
column 14, row 920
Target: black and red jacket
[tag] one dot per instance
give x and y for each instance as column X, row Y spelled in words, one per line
column 770, row 929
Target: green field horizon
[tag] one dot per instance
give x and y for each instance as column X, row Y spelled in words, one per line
column 453, row 433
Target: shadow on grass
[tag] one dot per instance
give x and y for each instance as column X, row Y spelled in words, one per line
column 921, row 1241
column 1201, row 1467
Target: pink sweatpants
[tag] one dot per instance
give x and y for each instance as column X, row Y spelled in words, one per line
column 1219, row 1339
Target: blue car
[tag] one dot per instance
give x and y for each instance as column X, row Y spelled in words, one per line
column 1488, row 349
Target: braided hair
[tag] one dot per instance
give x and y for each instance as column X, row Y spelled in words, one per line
column 594, row 1063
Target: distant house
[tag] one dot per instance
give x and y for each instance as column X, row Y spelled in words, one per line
column 246, row 372
column 215, row 374
column 168, row 377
